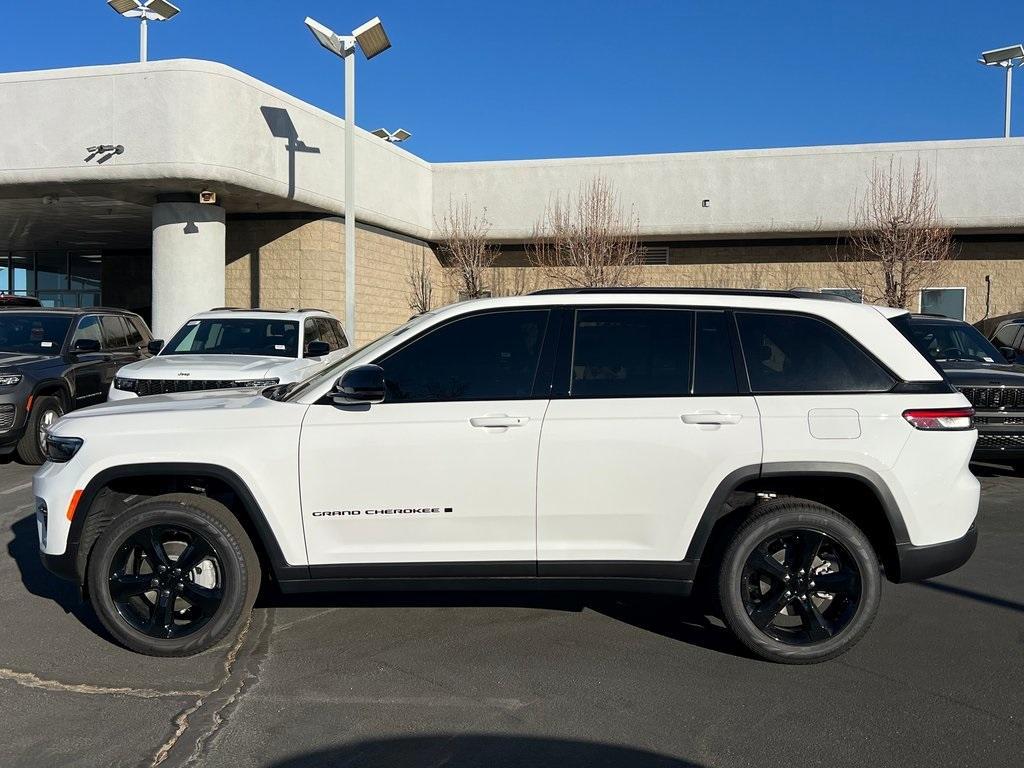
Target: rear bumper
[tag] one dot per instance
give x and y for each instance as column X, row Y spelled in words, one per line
column 919, row 563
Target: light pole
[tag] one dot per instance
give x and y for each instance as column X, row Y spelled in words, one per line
column 1007, row 58
column 146, row 11
column 392, row 138
column 372, row 40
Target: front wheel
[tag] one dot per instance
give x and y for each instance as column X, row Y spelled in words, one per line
column 799, row 583
column 45, row 412
column 173, row 576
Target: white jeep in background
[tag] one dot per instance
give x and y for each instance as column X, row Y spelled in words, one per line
column 231, row 348
column 781, row 453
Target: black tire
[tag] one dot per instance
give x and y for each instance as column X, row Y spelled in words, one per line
column 30, row 447
column 812, row 546
column 200, row 615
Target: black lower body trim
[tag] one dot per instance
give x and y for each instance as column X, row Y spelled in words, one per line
column 919, row 563
column 487, row 584
column 60, row 565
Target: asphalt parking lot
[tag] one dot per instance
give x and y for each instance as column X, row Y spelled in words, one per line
column 510, row 680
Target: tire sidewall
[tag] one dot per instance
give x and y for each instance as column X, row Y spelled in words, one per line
column 808, row 517
column 30, row 449
column 234, row 573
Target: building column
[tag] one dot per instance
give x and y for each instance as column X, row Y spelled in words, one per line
column 188, row 263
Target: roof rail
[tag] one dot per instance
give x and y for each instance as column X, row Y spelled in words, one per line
column 309, row 309
column 791, row 294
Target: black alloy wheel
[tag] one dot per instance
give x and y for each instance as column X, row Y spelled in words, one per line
column 173, row 575
column 801, row 586
column 166, row 581
column 798, row 583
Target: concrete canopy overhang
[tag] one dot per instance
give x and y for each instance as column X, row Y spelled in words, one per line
column 189, row 125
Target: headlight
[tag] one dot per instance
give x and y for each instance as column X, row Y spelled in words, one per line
column 61, row 449
column 9, row 379
column 128, row 385
column 257, row 382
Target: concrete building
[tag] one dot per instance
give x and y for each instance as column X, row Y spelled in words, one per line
column 82, row 221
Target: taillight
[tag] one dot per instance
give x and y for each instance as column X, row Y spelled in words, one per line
column 940, row 418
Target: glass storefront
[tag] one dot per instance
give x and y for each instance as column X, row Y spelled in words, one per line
column 57, row 278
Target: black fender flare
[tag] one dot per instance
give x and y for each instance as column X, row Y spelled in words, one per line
column 281, row 567
column 716, row 509
column 59, row 384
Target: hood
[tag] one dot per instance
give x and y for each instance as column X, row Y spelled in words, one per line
column 204, row 367
column 967, row 373
column 184, row 401
column 18, row 361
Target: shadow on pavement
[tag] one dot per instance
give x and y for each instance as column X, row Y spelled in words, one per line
column 453, row 751
column 24, row 550
column 672, row 617
column 970, row 594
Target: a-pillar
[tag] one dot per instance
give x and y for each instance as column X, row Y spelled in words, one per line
column 188, row 262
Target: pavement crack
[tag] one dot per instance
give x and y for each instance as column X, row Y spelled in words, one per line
column 205, row 717
column 30, row 680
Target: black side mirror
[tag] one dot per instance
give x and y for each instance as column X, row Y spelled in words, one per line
column 362, row 384
column 86, row 345
column 318, row 349
column 1009, row 353
column 155, row 346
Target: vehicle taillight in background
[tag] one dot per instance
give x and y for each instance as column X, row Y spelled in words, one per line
column 940, row 418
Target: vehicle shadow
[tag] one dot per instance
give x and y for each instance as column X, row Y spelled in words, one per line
column 24, row 551
column 466, row 751
column 671, row 617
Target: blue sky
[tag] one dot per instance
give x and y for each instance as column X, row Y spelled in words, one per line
column 526, row 79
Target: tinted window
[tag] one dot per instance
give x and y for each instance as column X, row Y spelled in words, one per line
column 327, row 333
column 484, row 357
column 793, row 353
column 631, row 353
column 134, row 335
column 114, row 332
column 88, row 328
column 310, row 332
column 943, row 340
column 141, row 328
column 714, row 366
column 340, row 332
column 230, row 336
column 1007, row 335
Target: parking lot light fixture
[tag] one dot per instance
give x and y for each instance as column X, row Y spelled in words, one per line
column 396, row 137
column 1009, row 57
column 145, row 11
column 372, row 40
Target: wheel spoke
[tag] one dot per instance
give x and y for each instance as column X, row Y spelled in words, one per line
column 161, row 616
column 806, row 550
column 817, row 626
column 196, row 551
column 205, row 599
column 763, row 613
column 124, row 586
column 763, row 563
column 840, row 583
column 148, row 540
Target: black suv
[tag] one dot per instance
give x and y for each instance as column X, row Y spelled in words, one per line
column 55, row 360
column 990, row 378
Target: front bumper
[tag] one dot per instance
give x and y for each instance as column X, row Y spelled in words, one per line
column 13, row 415
column 1000, row 436
column 919, row 563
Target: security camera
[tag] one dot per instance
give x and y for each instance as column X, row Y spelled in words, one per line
column 206, row 196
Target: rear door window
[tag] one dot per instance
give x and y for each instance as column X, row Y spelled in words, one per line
column 631, row 352
column 714, row 363
column 801, row 354
column 114, row 332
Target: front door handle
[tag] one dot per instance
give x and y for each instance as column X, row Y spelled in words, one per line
column 711, row 417
column 498, row 420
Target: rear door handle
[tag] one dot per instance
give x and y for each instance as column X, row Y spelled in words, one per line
column 498, row 420
column 711, row 417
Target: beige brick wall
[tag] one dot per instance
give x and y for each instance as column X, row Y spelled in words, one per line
column 282, row 263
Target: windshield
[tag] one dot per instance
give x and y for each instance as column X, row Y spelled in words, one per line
column 33, row 333
column 236, row 336
column 297, row 389
column 946, row 341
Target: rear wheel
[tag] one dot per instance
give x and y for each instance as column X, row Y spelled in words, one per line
column 173, row 576
column 799, row 583
column 45, row 411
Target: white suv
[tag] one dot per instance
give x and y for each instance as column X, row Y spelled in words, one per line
column 778, row 452
column 230, row 348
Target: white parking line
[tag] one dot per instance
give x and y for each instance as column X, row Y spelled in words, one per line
column 16, row 488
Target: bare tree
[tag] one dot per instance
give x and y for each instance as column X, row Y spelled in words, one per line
column 585, row 241
column 421, row 289
column 513, row 281
column 464, row 250
column 897, row 243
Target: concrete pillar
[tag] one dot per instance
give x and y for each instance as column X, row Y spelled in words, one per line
column 188, row 263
